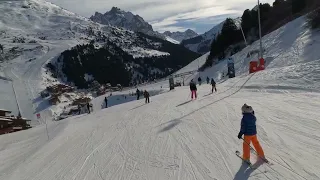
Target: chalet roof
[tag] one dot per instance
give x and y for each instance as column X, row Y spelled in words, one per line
column 4, row 110
column 4, row 119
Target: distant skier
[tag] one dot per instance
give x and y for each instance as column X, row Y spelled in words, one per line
column 249, row 130
column 213, row 84
column 147, row 96
column 89, row 106
column 106, row 101
column 208, row 80
column 199, row 80
column 193, row 89
column 79, row 109
column 138, row 94
column 1, row 48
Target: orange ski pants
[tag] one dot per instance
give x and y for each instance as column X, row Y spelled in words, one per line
column 256, row 145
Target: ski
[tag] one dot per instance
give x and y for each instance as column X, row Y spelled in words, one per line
column 263, row 159
column 248, row 163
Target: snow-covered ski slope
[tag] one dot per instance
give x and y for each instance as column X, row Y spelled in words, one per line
column 293, row 48
column 172, row 138
column 177, row 139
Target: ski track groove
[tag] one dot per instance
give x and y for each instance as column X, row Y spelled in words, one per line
column 133, row 170
column 126, row 152
column 221, row 155
column 180, row 168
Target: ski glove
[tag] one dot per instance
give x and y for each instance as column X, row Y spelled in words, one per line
column 240, row 135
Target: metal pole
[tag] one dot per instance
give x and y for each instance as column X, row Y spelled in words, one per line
column 47, row 128
column 244, row 37
column 15, row 95
column 260, row 34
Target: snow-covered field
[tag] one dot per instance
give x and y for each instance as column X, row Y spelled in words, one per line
column 175, row 138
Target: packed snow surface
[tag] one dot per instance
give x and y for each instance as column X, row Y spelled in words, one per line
column 173, row 138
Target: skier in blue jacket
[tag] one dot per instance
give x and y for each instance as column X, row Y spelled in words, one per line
column 249, row 130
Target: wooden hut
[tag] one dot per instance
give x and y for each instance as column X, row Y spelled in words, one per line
column 4, row 112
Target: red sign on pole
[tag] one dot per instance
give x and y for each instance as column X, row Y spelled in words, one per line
column 38, row 116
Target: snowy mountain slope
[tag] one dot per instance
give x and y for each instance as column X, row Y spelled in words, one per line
column 202, row 42
column 292, row 46
column 172, row 40
column 119, row 18
column 35, row 32
column 180, row 36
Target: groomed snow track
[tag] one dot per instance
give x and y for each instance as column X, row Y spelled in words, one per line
column 173, row 138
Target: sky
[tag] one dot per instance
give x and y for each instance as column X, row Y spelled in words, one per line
column 168, row 15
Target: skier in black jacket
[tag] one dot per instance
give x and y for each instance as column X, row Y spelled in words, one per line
column 138, row 94
column 199, row 79
column 213, row 84
column 193, row 89
column 106, row 102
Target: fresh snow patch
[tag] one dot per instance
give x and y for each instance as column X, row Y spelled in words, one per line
column 172, row 40
column 138, row 52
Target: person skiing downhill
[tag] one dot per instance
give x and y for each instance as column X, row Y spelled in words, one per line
column 208, row 80
column 138, row 94
column 147, row 96
column 249, row 130
column 193, row 89
column 213, row 84
column 106, row 101
column 89, row 106
column 199, row 80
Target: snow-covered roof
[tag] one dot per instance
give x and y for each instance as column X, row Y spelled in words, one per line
column 4, row 110
column 4, row 119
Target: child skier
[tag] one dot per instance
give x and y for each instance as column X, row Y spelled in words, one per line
column 249, row 130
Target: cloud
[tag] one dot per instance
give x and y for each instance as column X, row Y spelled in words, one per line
column 165, row 14
column 209, row 16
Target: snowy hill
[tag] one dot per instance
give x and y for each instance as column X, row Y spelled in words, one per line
column 201, row 43
column 180, row 36
column 34, row 33
column 175, row 138
column 292, row 46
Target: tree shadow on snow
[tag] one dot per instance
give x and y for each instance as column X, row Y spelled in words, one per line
column 171, row 125
column 184, row 103
column 42, row 106
column 38, row 99
column 244, row 172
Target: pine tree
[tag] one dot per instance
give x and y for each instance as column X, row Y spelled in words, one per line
column 246, row 21
column 298, row 5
